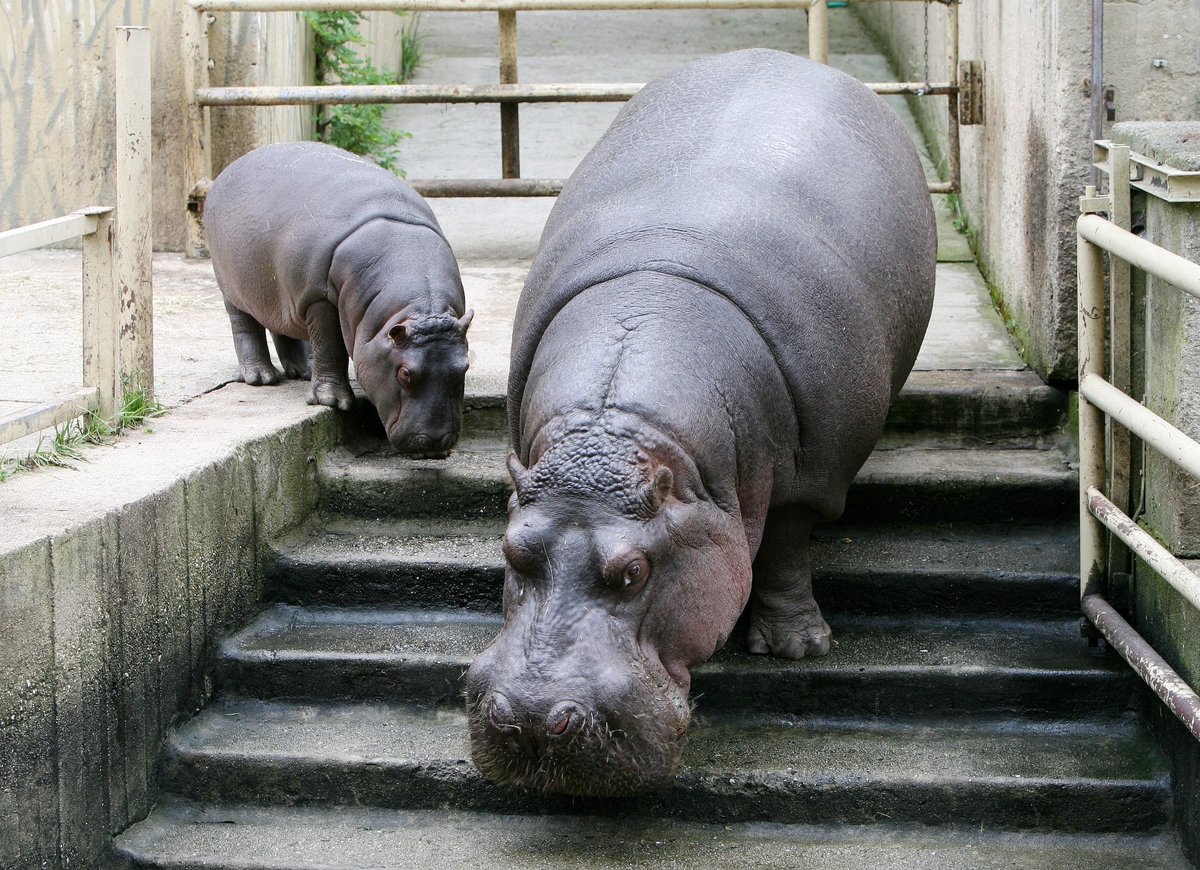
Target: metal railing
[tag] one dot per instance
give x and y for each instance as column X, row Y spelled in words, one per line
column 117, row 327
column 508, row 93
column 101, row 390
column 1101, row 398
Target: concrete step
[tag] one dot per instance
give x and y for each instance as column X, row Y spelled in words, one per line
column 1004, row 569
column 183, row 835
column 980, row 403
column 990, row 773
column 879, row 667
column 901, row 480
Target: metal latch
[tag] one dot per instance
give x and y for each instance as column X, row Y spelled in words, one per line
column 970, row 92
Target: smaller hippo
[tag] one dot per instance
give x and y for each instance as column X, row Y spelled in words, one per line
column 320, row 246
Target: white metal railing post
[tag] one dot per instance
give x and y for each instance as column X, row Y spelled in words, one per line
column 1092, row 469
column 101, row 304
column 197, row 125
column 818, row 31
column 132, row 248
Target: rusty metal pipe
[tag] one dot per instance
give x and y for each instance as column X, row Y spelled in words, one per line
column 331, row 95
column 496, row 5
column 1149, row 665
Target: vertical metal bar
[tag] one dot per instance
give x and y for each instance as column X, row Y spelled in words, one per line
column 197, row 132
column 1120, row 350
column 132, row 245
column 1096, row 124
column 818, row 31
column 101, row 302
column 1091, row 419
column 952, row 146
column 510, row 124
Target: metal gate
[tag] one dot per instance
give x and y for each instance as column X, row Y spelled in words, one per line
column 509, row 93
column 1104, row 384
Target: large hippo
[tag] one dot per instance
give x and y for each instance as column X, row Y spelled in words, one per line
column 728, row 294
column 318, row 245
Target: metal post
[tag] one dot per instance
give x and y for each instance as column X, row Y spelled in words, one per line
column 1091, row 419
column 818, row 31
column 510, row 125
column 952, row 73
column 132, row 247
column 197, row 132
column 101, row 303
column 1120, row 341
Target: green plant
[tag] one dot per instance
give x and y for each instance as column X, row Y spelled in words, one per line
column 63, row 448
column 358, row 128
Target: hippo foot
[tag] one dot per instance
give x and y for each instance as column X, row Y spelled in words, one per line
column 260, row 375
column 332, row 395
column 788, row 638
column 297, row 372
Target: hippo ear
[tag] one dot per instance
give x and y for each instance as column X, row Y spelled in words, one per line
column 399, row 334
column 520, row 476
column 656, row 491
column 463, row 322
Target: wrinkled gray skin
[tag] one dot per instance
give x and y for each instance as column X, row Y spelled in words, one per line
column 730, row 291
column 319, row 246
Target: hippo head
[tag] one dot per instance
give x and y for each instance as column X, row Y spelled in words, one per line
column 620, row 576
column 413, row 370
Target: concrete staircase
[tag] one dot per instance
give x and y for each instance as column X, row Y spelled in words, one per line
column 959, row 721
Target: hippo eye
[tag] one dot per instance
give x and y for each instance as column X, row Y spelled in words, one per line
column 635, row 573
column 404, row 376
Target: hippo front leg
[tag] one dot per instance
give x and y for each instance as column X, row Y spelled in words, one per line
column 250, row 345
column 330, row 362
column 784, row 617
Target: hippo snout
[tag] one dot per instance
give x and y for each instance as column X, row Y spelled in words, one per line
column 570, row 746
column 425, row 445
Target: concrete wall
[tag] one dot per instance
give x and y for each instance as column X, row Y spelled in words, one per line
column 57, row 105
column 1025, row 167
column 116, row 582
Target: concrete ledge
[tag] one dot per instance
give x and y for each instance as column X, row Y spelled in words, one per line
column 116, row 581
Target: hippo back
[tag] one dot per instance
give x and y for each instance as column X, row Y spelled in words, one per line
column 782, row 184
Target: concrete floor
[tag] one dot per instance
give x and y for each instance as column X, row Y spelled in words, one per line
column 495, row 239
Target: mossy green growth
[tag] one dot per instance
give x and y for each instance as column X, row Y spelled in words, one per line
column 65, row 445
column 359, row 129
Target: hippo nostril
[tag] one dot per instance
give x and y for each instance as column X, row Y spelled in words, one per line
column 564, row 719
column 421, row 442
column 500, row 714
column 448, row 441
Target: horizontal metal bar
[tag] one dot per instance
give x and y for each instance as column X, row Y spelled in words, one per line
column 1144, row 255
column 21, row 423
column 487, row 187
column 1149, row 665
column 1182, row 579
column 49, row 232
column 1141, row 421
column 333, row 95
column 494, row 5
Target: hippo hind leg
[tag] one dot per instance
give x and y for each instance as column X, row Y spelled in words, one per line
column 250, row 345
column 295, row 356
column 785, row 620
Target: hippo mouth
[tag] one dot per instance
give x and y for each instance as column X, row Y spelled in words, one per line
column 596, row 757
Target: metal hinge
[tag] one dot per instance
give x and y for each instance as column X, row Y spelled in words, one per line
column 970, row 92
